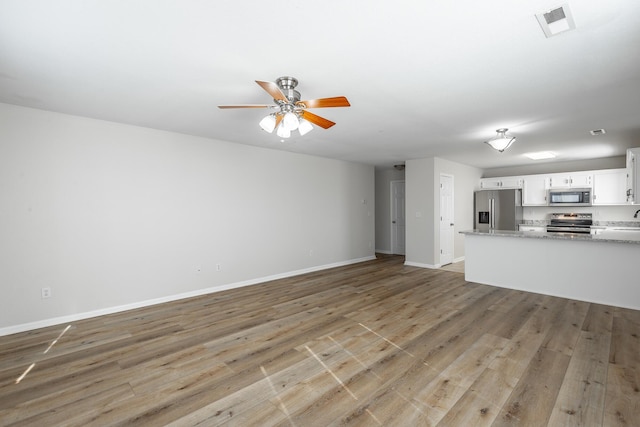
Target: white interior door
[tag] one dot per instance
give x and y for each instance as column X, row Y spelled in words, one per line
column 397, row 218
column 446, row 219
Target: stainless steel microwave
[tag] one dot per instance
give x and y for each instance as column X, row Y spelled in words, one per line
column 570, row 197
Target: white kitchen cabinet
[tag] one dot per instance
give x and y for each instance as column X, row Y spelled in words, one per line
column 633, row 176
column 573, row 180
column 503, row 182
column 534, row 190
column 610, row 187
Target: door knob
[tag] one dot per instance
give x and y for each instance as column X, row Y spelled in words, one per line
column 451, row 224
column 393, row 222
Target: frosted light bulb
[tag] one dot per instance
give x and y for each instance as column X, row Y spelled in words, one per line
column 290, row 121
column 283, row 132
column 268, row 124
column 305, row 127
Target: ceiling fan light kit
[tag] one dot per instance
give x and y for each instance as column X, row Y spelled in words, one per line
column 305, row 127
column 283, row 132
column 290, row 121
column 291, row 113
column 268, row 124
column 501, row 141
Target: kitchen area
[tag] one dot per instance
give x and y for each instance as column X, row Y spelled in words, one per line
column 570, row 235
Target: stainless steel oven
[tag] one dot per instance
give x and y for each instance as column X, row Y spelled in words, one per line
column 570, row 197
column 570, row 223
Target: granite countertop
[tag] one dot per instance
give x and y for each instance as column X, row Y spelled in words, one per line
column 605, row 236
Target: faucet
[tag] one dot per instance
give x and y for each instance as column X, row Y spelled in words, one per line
column 635, row 215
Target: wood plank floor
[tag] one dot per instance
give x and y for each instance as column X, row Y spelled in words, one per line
column 376, row 343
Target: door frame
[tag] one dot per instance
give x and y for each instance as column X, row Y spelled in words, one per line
column 451, row 243
column 393, row 229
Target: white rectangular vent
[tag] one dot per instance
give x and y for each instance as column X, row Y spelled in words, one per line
column 556, row 21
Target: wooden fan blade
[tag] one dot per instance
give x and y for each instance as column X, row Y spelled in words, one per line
column 245, row 106
column 316, row 120
column 273, row 90
column 279, row 118
column 337, row 101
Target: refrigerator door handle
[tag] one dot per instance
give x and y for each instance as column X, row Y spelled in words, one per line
column 490, row 214
column 492, row 219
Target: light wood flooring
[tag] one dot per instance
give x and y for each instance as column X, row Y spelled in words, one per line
column 376, row 343
column 456, row 267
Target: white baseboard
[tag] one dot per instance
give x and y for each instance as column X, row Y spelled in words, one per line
column 382, row 251
column 110, row 310
column 421, row 265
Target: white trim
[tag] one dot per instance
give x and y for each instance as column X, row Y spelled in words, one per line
column 436, row 266
column 453, row 213
column 110, row 310
column 421, row 265
column 391, row 204
column 381, row 251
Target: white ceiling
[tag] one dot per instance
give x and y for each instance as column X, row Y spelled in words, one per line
column 424, row 78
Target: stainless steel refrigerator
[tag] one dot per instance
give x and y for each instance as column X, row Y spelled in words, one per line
column 498, row 209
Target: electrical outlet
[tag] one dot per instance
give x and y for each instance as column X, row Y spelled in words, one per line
column 218, row 267
column 46, row 293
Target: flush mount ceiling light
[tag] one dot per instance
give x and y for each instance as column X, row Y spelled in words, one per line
column 556, row 21
column 501, row 141
column 541, row 155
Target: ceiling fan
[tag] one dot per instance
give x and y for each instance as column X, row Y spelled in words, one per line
column 291, row 113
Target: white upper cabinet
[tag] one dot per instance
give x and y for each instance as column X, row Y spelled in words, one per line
column 633, row 176
column 610, row 187
column 573, row 180
column 534, row 190
column 503, row 182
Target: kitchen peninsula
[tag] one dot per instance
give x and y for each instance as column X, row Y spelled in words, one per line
column 601, row 268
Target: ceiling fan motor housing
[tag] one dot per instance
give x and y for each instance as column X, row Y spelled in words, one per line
column 287, row 85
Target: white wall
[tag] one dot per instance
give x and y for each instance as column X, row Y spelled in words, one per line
column 422, row 178
column 383, row 207
column 112, row 216
column 420, row 211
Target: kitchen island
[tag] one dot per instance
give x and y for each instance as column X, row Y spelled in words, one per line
column 600, row 268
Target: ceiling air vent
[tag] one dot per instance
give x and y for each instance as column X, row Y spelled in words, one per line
column 556, row 21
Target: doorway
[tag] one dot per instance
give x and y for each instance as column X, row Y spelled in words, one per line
column 398, row 226
column 446, row 219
